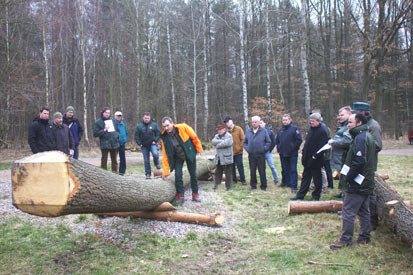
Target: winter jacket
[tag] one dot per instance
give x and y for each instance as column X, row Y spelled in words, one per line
column 316, row 138
column 257, row 143
column 123, row 133
column 75, row 128
column 64, row 139
column 288, row 141
column 146, row 134
column 340, row 145
column 108, row 140
column 224, row 155
column 327, row 153
column 375, row 131
column 238, row 140
column 188, row 141
column 41, row 136
column 361, row 159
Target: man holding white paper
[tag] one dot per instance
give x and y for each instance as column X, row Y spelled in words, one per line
column 358, row 169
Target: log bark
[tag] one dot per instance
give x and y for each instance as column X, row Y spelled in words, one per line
column 50, row 184
column 393, row 211
column 295, row 207
column 172, row 216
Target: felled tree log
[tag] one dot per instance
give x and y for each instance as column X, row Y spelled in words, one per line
column 50, row 184
column 295, row 207
column 393, row 211
column 172, row 216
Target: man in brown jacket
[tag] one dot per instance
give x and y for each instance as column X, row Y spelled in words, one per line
column 238, row 148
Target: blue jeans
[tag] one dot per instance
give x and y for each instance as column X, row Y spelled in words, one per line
column 289, row 171
column 122, row 159
column 146, row 156
column 270, row 161
column 239, row 164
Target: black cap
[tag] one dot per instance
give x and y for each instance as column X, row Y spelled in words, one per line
column 227, row 119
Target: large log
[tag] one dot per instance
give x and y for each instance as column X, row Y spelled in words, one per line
column 295, row 207
column 393, row 211
column 50, row 184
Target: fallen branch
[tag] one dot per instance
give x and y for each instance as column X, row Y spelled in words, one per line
column 330, row 264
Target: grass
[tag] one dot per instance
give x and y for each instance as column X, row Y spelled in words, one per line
column 252, row 249
column 5, row 165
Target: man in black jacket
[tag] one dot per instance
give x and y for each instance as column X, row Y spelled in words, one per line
column 312, row 161
column 41, row 136
column 64, row 139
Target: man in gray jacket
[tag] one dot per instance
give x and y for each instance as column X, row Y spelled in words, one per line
column 224, row 156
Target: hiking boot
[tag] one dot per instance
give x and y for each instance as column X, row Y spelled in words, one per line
column 339, row 245
column 215, row 186
column 253, row 188
column 295, row 198
column 243, row 183
column 276, row 183
column 148, row 176
column 158, row 167
column 339, row 196
column 195, row 197
column 179, row 198
column 365, row 241
column 314, row 199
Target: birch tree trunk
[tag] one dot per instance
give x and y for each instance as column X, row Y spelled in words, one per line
column 8, row 98
column 303, row 56
column 194, row 80
column 46, row 65
column 242, row 63
column 138, row 71
column 168, row 36
column 206, row 70
column 267, row 55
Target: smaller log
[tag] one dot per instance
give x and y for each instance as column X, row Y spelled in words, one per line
column 329, row 264
column 172, row 216
column 336, row 175
column 295, row 207
column 383, row 176
column 165, row 206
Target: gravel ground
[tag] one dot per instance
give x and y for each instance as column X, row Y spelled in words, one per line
column 118, row 230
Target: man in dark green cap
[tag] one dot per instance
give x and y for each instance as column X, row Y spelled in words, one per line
column 75, row 128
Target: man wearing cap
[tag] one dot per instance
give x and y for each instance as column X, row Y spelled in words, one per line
column 123, row 138
column 41, row 136
column 238, row 148
column 180, row 144
column 75, row 128
column 375, row 131
column 313, row 160
column 288, row 142
column 63, row 136
column 268, row 154
column 257, row 142
column 107, row 130
column 147, row 134
column 224, row 156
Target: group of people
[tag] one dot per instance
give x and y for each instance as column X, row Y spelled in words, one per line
column 354, row 153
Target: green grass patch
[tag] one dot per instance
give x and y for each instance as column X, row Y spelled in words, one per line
column 5, row 165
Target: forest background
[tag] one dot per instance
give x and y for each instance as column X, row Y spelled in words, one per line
column 199, row 61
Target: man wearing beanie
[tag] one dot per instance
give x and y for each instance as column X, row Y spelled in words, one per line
column 41, row 138
column 75, row 129
column 64, row 139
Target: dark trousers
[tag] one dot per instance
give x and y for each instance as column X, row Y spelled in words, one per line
column 228, row 175
column 257, row 161
column 122, row 159
column 240, row 165
column 113, row 158
column 355, row 204
column 289, row 171
column 329, row 173
column 76, row 152
column 308, row 174
column 179, row 184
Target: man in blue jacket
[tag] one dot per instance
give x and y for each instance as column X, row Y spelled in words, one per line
column 123, row 138
column 75, row 128
column 268, row 154
column 288, row 142
column 257, row 142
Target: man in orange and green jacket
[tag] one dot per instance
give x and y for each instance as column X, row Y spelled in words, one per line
column 180, row 144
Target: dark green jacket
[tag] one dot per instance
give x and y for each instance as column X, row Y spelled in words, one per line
column 361, row 158
column 108, row 140
column 145, row 134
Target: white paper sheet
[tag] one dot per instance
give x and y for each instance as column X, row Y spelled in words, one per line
column 109, row 123
column 345, row 170
column 325, row 147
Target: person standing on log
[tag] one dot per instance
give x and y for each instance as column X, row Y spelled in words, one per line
column 123, row 138
column 268, row 154
column 312, row 161
column 288, row 143
column 257, row 142
column 147, row 134
column 375, row 131
column 224, row 157
column 359, row 182
column 75, row 128
column 107, row 130
column 41, row 138
column 340, row 142
column 63, row 136
column 238, row 149
column 180, row 144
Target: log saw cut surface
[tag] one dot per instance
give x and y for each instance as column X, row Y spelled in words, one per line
column 50, row 184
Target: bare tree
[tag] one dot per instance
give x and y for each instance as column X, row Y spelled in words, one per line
column 46, row 61
column 242, row 62
column 303, row 56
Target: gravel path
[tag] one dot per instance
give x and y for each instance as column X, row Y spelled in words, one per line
column 116, row 229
